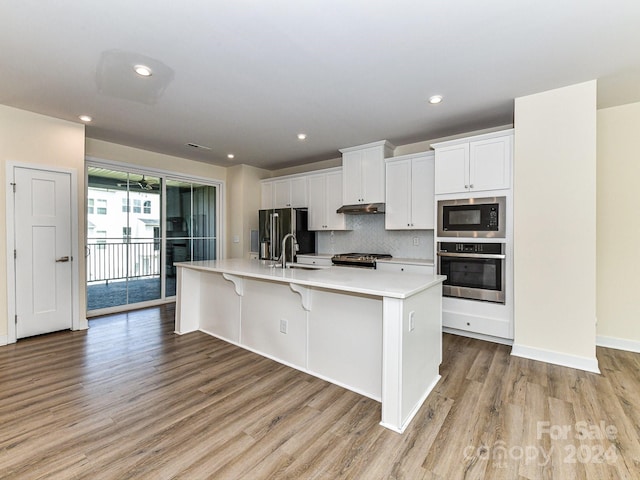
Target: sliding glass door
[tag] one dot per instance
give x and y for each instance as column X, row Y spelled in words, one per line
column 130, row 248
column 191, row 225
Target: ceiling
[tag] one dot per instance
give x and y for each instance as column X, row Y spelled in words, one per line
column 246, row 76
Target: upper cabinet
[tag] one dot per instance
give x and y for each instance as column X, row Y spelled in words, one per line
column 363, row 173
column 474, row 164
column 325, row 197
column 410, row 192
column 285, row 193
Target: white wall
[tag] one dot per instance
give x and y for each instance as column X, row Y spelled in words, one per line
column 555, row 226
column 618, row 230
column 36, row 139
column 243, row 200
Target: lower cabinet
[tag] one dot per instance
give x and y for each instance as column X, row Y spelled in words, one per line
column 394, row 267
column 320, row 260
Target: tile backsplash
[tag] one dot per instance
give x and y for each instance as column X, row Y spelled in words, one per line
column 367, row 235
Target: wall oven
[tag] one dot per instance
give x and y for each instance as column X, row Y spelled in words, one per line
column 472, row 217
column 474, row 271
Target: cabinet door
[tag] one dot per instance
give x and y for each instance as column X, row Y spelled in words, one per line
column 489, row 164
column 281, row 194
column 266, row 189
column 333, row 195
column 317, row 202
column 422, row 192
column 372, row 171
column 452, row 169
column 351, row 177
column 298, row 188
column 398, row 195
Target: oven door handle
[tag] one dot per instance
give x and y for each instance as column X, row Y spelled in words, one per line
column 473, row 255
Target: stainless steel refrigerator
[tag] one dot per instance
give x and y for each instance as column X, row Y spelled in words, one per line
column 275, row 223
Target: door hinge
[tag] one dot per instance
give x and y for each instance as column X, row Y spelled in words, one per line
column 15, row 254
column 13, row 185
column 16, row 318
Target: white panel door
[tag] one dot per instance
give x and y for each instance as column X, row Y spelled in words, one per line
column 43, row 251
column 317, row 210
column 422, row 192
column 489, row 164
column 398, row 192
column 452, row 169
column 333, row 196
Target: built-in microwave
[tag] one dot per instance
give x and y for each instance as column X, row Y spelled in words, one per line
column 472, row 217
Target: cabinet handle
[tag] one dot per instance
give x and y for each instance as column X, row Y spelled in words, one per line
column 471, row 186
column 466, row 186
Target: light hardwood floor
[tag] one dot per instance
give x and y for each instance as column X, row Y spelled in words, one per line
column 129, row 399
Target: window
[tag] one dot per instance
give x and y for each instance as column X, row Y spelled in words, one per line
column 125, row 205
column 147, row 207
column 90, row 208
column 126, row 234
column 137, row 206
column 101, row 206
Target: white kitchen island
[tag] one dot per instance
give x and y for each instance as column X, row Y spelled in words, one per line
column 376, row 333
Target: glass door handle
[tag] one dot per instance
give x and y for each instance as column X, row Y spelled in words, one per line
column 63, row 259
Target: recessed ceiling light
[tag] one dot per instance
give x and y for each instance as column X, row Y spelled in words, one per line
column 85, row 118
column 142, row 70
column 302, row 136
column 435, row 99
column 231, row 156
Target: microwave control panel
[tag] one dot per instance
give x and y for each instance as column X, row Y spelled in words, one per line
column 453, row 247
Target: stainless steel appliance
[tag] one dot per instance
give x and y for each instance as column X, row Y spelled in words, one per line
column 472, row 217
column 363, row 260
column 275, row 223
column 474, row 271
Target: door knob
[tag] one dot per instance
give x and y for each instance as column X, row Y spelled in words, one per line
column 62, row 259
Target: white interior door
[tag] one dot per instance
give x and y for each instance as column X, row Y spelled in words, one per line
column 43, row 251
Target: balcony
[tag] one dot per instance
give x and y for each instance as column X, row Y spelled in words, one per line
column 124, row 272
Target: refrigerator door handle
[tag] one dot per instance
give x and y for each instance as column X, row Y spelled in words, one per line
column 273, row 238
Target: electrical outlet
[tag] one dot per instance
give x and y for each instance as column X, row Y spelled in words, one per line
column 416, row 241
column 283, row 325
column 412, row 321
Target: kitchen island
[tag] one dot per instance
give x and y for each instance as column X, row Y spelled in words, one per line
column 376, row 333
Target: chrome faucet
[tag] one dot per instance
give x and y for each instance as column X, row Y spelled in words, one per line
column 283, row 253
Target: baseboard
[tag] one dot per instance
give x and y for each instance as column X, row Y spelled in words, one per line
column 618, row 343
column 4, row 340
column 478, row 336
column 572, row 361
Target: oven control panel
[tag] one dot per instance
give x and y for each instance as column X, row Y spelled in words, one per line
column 477, row 248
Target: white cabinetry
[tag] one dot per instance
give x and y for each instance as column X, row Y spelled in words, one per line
column 363, row 172
column 284, row 193
column 474, row 164
column 322, row 260
column 396, row 267
column 325, row 197
column 410, row 192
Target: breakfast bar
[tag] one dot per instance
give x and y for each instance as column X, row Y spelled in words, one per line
column 375, row 333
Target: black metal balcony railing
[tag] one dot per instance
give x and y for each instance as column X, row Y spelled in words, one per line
column 117, row 259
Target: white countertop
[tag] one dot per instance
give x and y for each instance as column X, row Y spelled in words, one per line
column 356, row 280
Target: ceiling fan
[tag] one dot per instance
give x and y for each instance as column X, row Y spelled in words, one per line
column 143, row 184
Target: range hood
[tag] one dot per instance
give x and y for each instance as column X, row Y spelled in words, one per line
column 362, row 209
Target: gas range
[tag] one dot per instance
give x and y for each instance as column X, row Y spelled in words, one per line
column 364, row 260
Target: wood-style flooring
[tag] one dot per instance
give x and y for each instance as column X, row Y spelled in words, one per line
column 130, row 399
